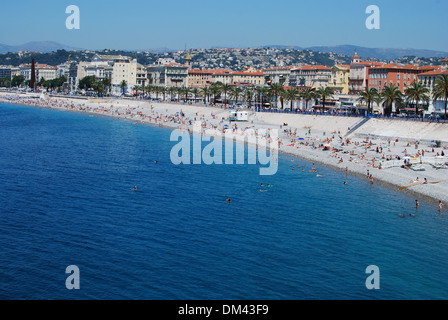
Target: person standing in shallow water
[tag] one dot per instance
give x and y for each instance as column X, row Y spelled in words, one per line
column 440, row 206
column 417, row 204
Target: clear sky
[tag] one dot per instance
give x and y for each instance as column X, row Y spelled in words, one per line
column 145, row 24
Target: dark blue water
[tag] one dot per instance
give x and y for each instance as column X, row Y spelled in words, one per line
column 66, row 199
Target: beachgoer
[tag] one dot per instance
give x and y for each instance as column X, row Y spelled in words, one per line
column 135, row 188
column 440, row 206
column 417, row 204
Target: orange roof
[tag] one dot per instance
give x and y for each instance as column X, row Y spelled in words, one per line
column 405, row 67
column 434, row 73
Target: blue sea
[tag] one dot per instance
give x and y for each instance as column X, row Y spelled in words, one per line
column 67, row 198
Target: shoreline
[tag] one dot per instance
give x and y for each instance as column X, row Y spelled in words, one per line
column 164, row 115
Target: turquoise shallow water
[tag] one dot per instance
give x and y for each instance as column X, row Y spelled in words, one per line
column 66, row 199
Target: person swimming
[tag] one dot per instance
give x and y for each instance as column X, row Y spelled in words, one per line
column 228, row 200
column 417, row 204
column 135, row 188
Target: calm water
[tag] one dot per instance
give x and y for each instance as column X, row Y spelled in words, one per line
column 66, row 199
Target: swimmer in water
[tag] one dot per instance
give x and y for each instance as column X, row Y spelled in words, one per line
column 135, row 188
column 417, row 204
column 440, row 206
column 228, row 200
column 345, row 182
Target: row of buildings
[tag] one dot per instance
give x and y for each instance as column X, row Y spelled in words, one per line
column 166, row 72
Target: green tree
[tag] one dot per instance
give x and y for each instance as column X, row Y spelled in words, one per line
column 123, row 86
column 225, row 88
column 391, row 94
column 290, row 95
column 195, row 92
column 205, row 92
column 367, row 96
column 441, row 90
column 18, row 81
column 276, row 90
column 308, row 95
column 5, row 82
column 86, row 83
column 324, row 94
column 235, row 93
column 99, row 87
column 417, row 92
column 215, row 90
column 248, row 95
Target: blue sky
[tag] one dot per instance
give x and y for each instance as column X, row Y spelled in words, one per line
column 144, row 24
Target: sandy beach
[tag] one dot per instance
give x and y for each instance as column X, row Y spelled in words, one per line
column 390, row 152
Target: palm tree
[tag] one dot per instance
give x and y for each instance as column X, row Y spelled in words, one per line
column 308, row 94
column 215, row 89
column 276, row 90
column 148, row 90
column 368, row 96
column 107, row 83
column 441, row 90
column 205, row 92
column 137, row 88
column 235, row 93
column 324, row 94
column 225, row 88
column 248, row 94
column 391, row 94
column 195, row 92
column 291, row 94
column 417, row 92
column 123, row 86
column 163, row 90
column 186, row 91
column 172, row 91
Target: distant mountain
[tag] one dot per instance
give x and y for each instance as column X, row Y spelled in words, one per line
column 38, row 46
column 379, row 53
